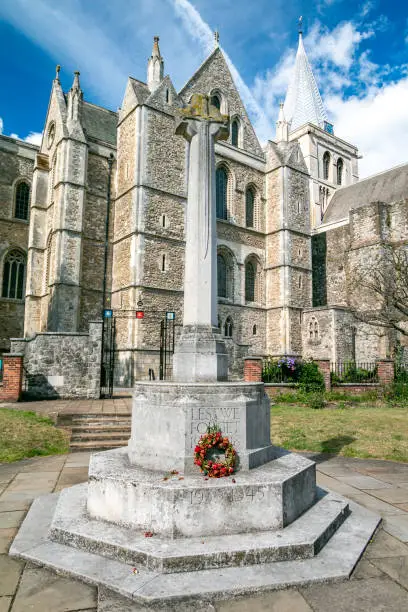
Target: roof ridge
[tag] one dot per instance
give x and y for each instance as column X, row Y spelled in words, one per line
column 107, row 110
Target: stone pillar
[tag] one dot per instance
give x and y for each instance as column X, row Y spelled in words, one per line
column 12, row 377
column 386, row 373
column 201, row 354
column 253, row 369
column 324, row 368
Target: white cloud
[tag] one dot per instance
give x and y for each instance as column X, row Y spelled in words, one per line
column 377, row 123
column 34, row 138
column 1, row 125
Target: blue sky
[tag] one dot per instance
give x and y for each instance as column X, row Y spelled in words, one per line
column 358, row 50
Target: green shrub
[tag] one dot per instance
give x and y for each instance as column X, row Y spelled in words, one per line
column 316, row 400
column 310, row 379
column 397, row 393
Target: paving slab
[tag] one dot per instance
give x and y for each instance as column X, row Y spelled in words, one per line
column 397, row 526
column 395, row 567
column 329, row 482
column 360, row 481
column 385, row 545
column 373, row 594
column 11, row 519
column 43, row 591
column 16, row 500
column 281, row 601
column 45, row 464
column 365, row 569
column 402, row 507
column 394, row 495
column 375, row 504
column 10, row 570
column 6, row 537
column 5, row 604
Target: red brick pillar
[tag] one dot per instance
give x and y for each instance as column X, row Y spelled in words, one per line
column 253, row 369
column 385, row 369
column 324, row 368
column 12, row 377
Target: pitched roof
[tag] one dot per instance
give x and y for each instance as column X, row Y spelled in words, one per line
column 389, row 186
column 99, row 123
column 142, row 92
column 303, row 103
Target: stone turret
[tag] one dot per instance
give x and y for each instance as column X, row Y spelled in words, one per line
column 155, row 67
column 282, row 126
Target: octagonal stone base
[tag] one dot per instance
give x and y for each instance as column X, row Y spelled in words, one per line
column 268, row 498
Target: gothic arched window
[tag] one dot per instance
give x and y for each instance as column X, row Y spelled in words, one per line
column 22, row 201
column 228, row 327
column 339, row 171
column 222, row 276
column 221, row 179
column 254, row 330
column 235, row 133
column 249, row 282
column 249, row 207
column 326, row 165
column 14, row 275
column 216, row 101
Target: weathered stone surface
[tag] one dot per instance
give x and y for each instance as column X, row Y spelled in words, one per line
column 169, row 418
column 335, row 561
column 10, row 570
column 42, row 590
column 304, row 538
column 269, row 497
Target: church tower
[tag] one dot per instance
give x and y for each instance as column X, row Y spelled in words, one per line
column 331, row 161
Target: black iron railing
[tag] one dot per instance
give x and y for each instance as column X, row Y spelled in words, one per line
column 349, row 372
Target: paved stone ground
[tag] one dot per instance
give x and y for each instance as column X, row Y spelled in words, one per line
column 379, row 583
column 120, row 404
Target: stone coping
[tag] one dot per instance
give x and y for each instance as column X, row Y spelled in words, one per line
column 114, row 464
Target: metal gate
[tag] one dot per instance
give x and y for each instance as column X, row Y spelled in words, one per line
column 108, row 356
column 167, row 339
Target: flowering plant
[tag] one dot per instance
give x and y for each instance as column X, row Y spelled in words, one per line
column 214, row 439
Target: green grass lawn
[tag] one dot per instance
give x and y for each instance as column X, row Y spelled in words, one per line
column 365, row 429
column 26, row 434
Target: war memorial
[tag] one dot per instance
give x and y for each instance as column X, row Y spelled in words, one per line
column 151, row 528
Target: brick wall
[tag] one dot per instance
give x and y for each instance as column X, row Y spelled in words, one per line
column 253, row 369
column 10, row 391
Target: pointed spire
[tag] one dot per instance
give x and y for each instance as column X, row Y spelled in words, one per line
column 303, row 102
column 282, row 126
column 75, row 97
column 57, row 73
column 76, row 84
column 216, row 39
column 155, row 66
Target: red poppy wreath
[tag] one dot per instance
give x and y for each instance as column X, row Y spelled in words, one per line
column 213, row 440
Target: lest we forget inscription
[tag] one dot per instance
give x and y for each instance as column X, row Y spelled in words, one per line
column 227, row 418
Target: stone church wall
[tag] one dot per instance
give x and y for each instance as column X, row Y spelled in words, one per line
column 16, row 162
column 62, row 365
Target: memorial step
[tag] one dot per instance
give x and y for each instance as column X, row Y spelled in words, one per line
column 100, row 436
column 304, row 538
column 96, row 446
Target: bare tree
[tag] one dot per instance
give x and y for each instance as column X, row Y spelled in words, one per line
column 379, row 293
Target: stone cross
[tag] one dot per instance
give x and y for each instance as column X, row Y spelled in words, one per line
column 200, row 355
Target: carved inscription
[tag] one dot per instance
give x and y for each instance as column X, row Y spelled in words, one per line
column 237, row 495
column 227, row 417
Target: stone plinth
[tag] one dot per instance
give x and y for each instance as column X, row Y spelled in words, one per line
column 268, row 498
column 169, row 418
column 201, row 355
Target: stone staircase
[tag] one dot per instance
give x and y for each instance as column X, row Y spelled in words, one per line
column 96, row 432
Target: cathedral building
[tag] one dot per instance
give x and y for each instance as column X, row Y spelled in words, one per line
column 95, row 218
